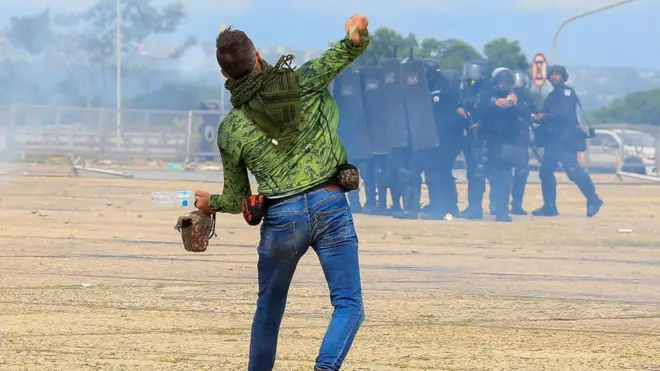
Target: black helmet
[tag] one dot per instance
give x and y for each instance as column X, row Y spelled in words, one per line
column 502, row 79
column 453, row 77
column 555, row 68
column 475, row 70
column 520, row 80
column 431, row 64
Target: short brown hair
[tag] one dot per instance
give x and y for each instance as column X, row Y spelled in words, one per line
column 235, row 53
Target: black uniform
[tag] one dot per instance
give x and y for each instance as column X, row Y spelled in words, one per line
column 423, row 140
column 561, row 138
column 439, row 175
column 526, row 107
column 474, row 78
column 473, row 152
column 374, row 169
column 505, row 146
column 398, row 175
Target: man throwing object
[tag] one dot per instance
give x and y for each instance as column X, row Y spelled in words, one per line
column 283, row 128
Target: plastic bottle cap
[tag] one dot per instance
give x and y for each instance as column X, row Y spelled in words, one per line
column 184, row 203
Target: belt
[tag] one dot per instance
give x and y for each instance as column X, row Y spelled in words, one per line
column 330, row 184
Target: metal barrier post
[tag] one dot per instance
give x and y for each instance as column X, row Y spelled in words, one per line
column 189, row 136
column 10, row 139
column 147, row 119
column 587, row 156
column 657, row 151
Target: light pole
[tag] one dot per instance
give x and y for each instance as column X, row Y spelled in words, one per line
column 118, row 52
column 576, row 17
column 222, row 89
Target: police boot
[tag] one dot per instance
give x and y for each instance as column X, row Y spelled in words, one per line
column 396, row 205
column 472, row 213
column 411, row 209
column 593, row 207
column 474, row 210
column 546, row 210
column 431, row 212
column 394, row 210
column 369, row 206
column 517, row 209
column 381, row 203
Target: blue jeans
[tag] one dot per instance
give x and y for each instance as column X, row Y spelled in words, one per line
column 321, row 219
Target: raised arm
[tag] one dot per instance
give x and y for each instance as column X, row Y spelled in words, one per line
column 317, row 74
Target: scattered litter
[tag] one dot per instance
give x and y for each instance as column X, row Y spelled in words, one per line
column 624, row 230
column 174, row 166
column 449, row 217
column 210, row 168
column 85, row 284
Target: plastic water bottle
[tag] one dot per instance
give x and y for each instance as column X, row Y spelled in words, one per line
column 173, row 199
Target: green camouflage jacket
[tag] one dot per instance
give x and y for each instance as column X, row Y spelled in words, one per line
column 310, row 160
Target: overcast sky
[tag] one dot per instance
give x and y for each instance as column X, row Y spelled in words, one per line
column 622, row 37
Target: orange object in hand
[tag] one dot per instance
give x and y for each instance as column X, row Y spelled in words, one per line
column 355, row 26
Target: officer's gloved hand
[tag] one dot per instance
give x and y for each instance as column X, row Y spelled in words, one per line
column 538, row 116
column 503, row 102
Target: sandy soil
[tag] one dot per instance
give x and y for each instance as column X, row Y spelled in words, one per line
column 91, row 277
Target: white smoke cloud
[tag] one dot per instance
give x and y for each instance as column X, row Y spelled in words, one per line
column 195, row 64
column 192, row 6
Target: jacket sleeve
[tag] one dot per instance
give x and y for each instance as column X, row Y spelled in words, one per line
column 317, row 74
column 236, row 186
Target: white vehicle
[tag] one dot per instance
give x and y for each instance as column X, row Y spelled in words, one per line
column 626, row 150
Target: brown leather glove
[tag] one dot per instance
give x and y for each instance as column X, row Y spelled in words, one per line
column 196, row 230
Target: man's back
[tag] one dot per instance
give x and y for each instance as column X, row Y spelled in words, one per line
column 284, row 129
column 312, row 151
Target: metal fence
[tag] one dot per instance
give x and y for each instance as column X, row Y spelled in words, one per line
column 28, row 131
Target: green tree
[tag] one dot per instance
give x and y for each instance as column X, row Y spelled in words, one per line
column 387, row 43
column 88, row 38
column 637, row 108
column 451, row 53
column 504, row 53
column 93, row 31
column 32, row 33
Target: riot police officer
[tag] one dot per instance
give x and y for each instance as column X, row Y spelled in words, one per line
column 501, row 129
column 562, row 138
column 354, row 132
column 423, row 139
column 526, row 107
column 450, row 123
column 374, row 171
column 474, row 79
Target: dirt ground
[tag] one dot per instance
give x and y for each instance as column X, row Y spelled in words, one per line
column 92, row 277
